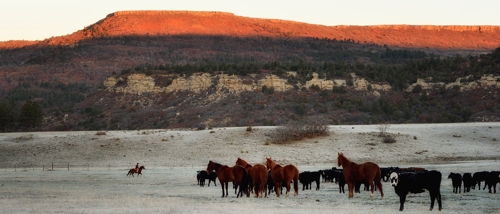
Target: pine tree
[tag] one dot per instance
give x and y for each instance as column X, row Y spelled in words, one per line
column 30, row 115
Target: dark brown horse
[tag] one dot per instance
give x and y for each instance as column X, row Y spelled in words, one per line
column 258, row 177
column 285, row 174
column 226, row 174
column 353, row 173
column 241, row 162
column 134, row 170
column 248, row 167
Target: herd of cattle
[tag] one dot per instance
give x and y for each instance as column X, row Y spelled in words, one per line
column 404, row 181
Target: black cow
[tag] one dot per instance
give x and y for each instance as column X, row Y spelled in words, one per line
column 201, row 176
column 491, row 180
column 478, row 177
column 211, row 178
column 327, row 175
column 386, row 172
column 306, row 178
column 339, row 176
column 417, row 182
column 468, row 182
column 456, row 181
column 357, row 186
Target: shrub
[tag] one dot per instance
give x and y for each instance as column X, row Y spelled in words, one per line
column 100, row 133
column 201, row 127
column 298, row 130
column 383, row 129
column 386, row 138
column 389, row 139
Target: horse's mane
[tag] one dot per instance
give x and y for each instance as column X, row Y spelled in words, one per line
column 341, row 155
column 241, row 162
column 216, row 164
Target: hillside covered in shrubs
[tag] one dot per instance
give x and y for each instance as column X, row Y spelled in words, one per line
column 64, row 76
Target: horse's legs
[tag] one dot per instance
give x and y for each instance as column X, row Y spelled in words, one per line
column 222, row 186
column 379, row 186
column 265, row 190
column 350, row 187
column 287, row 188
column 240, row 191
column 256, row 190
column 277, row 188
column 372, row 187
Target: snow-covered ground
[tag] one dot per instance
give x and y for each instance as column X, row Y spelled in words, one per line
column 96, row 181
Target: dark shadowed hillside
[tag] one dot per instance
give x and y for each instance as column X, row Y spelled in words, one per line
column 396, row 74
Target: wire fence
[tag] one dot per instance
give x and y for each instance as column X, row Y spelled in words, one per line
column 53, row 166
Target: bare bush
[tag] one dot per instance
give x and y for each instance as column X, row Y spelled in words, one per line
column 388, row 139
column 383, row 129
column 100, row 133
column 298, row 130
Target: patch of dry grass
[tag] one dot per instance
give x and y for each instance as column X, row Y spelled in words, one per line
column 298, row 130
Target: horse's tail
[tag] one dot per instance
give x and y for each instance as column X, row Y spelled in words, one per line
column 296, row 182
column 377, row 182
column 244, row 182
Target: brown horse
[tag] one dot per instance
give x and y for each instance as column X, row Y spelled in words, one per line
column 241, row 162
column 285, row 174
column 257, row 177
column 134, row 170
column 248, row 167
column 225, row 174
column 353, row 173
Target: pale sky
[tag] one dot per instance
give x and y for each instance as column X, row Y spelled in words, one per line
column 42, row 19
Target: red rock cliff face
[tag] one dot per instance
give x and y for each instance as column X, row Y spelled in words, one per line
column 157, row 23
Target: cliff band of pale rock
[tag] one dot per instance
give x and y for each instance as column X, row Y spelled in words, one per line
column 140, row 83
column 486, row 81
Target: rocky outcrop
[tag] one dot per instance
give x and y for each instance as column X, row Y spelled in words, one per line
column 141, row 83
column 361, row 84
column 464, row 83
column 195, row 83
column 276, row 82
column 325, row 84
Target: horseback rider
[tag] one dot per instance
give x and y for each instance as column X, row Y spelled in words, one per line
column 137, row 168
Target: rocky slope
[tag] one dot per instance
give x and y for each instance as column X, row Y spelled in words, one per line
column 139, row 83
column 158, row 23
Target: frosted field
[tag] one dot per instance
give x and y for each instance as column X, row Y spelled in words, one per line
column 96, row 181
column 175, row 190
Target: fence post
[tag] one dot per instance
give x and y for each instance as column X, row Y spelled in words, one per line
column 68, row 166
column 52, row 166
column 43, row 167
